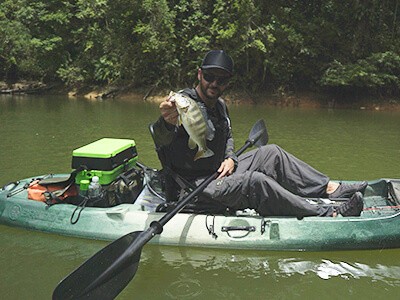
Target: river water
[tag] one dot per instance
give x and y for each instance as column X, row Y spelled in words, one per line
column 39, row 133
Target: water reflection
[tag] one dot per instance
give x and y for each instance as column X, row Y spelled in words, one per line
column 33, row 259
column 256, row 264
column 200, row 274
column 327, row 269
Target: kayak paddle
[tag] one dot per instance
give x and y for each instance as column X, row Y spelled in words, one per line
column 108, row 272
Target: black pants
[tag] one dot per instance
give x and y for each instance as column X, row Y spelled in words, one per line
column 274, row 183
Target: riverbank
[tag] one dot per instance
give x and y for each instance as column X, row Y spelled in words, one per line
column 284, row 99
column 305, row 99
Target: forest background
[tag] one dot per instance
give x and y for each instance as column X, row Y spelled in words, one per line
column 348, row 49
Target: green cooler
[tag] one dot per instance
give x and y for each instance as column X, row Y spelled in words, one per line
column 106, row 158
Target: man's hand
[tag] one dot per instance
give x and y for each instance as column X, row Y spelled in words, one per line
column 227, row 167
column 169, row 112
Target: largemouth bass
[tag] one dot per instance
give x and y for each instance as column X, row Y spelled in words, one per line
column 195, row 124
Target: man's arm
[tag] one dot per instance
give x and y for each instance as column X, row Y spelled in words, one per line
column 230, row 163
column 164, row 127
column 230, row 148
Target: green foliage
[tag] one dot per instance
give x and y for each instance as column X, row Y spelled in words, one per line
column 155, row 33
column 378, row 72
column 342, row 45
column 71, row 74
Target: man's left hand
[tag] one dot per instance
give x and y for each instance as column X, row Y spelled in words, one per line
column 227, row 167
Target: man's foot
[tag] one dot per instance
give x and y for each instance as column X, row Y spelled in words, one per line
column 346, row 190
column 353, row 207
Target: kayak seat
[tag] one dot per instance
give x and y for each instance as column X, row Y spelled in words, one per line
column 175, row 187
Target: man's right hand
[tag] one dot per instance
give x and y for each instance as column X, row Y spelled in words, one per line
column 169, row 112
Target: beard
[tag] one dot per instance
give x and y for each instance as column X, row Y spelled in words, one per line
column 211, row 92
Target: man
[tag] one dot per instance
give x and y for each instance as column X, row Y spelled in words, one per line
column 269, row 179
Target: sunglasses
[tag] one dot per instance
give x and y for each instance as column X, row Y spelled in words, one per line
column 221, row 80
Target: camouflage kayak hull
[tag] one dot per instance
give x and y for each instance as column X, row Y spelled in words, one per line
column 378, row 227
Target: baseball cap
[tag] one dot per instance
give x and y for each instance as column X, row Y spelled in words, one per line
column 218, row 59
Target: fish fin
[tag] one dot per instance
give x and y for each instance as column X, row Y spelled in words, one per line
column 179, row 120
column 191, row 143
column 208, row 153
column 171, row 96
column 203, row 154
column 199, row 154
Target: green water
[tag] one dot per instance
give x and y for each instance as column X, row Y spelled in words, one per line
column 39, row 133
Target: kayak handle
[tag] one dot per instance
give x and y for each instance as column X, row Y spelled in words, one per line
column 236, row 228
column 248, row 229
column 10, row 186
column 14, row 191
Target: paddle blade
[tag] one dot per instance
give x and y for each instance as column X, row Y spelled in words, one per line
column 79, row 284
column 258, row 135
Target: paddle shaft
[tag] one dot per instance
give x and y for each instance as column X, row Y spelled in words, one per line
column 156, row 227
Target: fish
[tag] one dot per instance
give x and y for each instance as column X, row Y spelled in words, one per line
column 195, row 124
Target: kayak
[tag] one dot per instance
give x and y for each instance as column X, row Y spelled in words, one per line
column 378, row 227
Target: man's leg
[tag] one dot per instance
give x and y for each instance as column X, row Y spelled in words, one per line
column 269, row 198
column 262, row 193
column 290, row 172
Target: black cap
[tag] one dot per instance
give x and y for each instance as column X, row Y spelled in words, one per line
column 218, row 59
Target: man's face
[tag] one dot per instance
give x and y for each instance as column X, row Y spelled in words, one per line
column 213, row 82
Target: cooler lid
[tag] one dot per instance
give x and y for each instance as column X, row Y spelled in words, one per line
column 104, row 148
